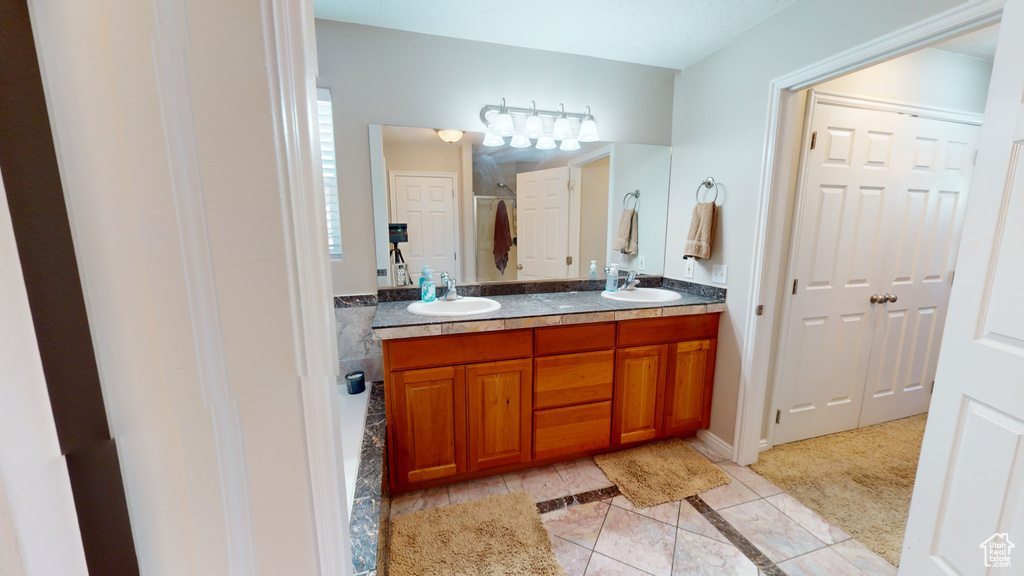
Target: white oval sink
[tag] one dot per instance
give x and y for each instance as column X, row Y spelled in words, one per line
column 464, row 306
column 644, row 295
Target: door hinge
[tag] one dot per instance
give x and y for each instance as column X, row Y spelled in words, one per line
column 952, row 275
column 814, row 139
column 759, row 311
column 455, row 256
column 569, row 184
column 568, row 260
column 778, row 416
column 932, row 391
column 794, row 285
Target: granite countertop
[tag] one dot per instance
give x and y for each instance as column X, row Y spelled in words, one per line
column 392, row 320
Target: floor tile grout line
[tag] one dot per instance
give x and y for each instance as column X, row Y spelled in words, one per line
column 731, row 533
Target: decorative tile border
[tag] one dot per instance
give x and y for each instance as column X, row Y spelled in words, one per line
column 733, row 535
column 355, row 301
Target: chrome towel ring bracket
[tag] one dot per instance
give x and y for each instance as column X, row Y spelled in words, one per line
column 636, row 199
column 707, row 183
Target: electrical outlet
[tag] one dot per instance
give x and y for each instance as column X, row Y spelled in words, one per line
column 688, row 270
column 719, row 273
column 641, row 263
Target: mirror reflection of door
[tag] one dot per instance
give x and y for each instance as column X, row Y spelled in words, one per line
column 542, row 223
column 426, row 202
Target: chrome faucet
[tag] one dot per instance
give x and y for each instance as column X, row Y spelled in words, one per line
column 631, row 281
column 449, row 283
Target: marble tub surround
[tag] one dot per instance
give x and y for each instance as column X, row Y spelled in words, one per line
column 371, row 505
column 357, row 348
column 392, row 320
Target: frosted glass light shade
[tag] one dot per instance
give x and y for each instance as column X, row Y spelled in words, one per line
column 570, row 144
column 503, row 125
column 546, row 143
column 588, row 130
column 492, row 139
column 449, row 135
column 519, row 141
column 534, row 126
column 562, row 129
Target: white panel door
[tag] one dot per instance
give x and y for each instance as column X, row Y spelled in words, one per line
column 969, row 492
column 839, row 248
column 924, row 215
column 543, row 223
column 427, row 205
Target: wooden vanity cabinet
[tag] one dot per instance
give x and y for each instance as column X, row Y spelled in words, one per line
column 469, row 405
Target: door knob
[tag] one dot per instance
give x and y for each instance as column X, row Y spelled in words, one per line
column 889, row 297
column 876, row 299
column 519, row 266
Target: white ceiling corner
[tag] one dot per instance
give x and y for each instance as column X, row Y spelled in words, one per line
column 666, row 33
column 980, row 44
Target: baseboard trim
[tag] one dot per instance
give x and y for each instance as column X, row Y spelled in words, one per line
column 719, row 445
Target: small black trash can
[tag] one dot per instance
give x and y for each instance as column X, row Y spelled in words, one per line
column 355, row 381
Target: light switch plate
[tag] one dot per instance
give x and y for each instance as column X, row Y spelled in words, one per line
column 719, row 273
column 641, row 263
column 688, row 270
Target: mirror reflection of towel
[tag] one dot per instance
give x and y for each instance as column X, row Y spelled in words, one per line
column 502, row 238
column 702, row 231
column 625, row 238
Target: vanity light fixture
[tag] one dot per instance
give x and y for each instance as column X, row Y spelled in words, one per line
column 449, row 135
column 503, row 125
column 544, row 126
column 562, row 129
column 570, row 144
column 534, row 125
column 588, row 128
column 545, row 143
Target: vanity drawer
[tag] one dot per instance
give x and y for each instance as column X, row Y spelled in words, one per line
column 572, row 429
column 573, row 379
column 575, row 338
column 459, row 349
column 648, row 331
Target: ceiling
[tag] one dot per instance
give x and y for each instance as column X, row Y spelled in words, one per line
column 980, row 44
column 666, row 33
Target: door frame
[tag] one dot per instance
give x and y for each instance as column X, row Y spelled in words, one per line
column 575, row 176
column 783, row 127
column 457, row 238
column 784, row 307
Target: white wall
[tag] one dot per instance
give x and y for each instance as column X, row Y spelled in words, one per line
column 929, row 77
column 380, row 76
column 645, row 168
column 39, row 533
column 718, row 130
column 206, row 407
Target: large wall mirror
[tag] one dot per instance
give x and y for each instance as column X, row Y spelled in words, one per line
column 498, row 213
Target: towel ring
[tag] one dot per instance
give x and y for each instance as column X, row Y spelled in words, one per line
column 636, row 197
column 707, row 183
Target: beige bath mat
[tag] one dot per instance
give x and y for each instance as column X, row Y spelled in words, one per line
column 860, row 480
column 660, row 472
column 492, row 536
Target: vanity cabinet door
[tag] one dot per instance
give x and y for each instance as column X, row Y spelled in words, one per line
column 691, row 370
column 499, row 408
column 430, row 423
column 639, row 389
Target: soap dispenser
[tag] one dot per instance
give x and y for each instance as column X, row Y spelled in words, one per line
column 593, row 269
column 611, row 283
column 428, row 291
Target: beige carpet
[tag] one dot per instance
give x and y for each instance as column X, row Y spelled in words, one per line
column 660, row 472
column 860, row 480
column 497, row 535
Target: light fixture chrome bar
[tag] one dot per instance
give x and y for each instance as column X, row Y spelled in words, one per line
column 527, row 111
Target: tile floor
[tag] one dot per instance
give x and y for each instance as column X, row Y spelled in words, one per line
column 731, row 530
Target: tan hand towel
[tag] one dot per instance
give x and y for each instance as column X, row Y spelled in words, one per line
column 625, row 238
column 702, row 231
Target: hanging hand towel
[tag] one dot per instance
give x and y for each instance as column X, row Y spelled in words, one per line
column 625, row 238
column 502, row 238
column 702, row 231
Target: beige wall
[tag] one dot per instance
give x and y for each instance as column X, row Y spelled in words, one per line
column 389, row 77
column 594, row 216
column 721, row 107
